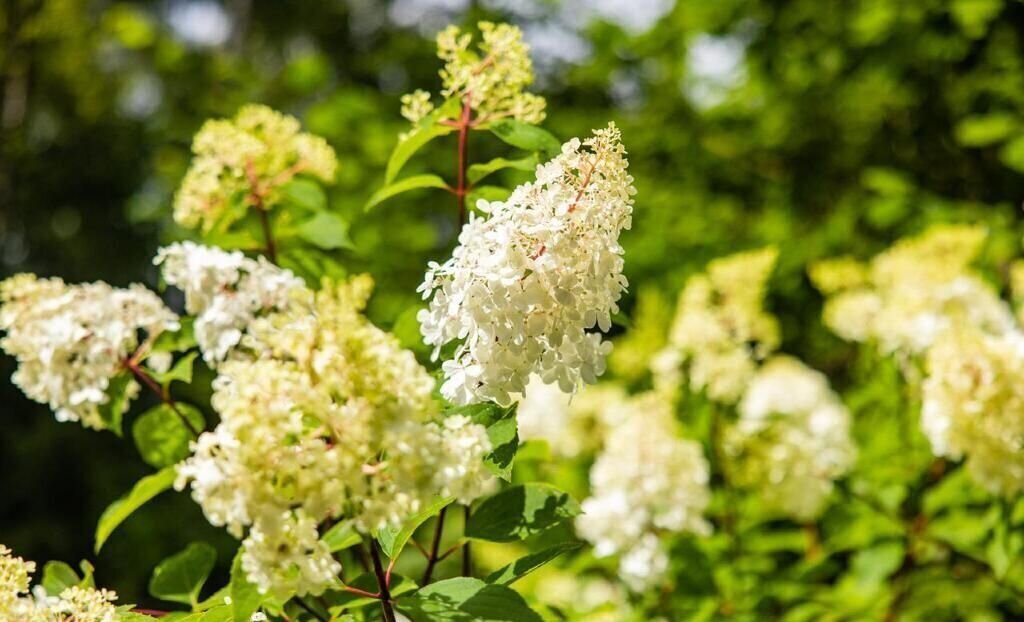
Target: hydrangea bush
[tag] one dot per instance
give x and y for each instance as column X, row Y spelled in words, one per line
column 506, row 475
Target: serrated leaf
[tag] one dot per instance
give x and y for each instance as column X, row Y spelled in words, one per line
column 521, row 511
column 220, row 597
column 465, row 599
column 476, row 172
column 181, row 371
column 341, row 536
column 526, row 136
column 525, row 565
column 144, row 490
column 112, row 412
column 161, row 436
column 415, row 141
column 405, row 185
column 326, row 230
column 245, row 597
column 392, row 541
column 220, row 613
column 180, row 577
column 179, row 340
column 304, row 194
column 58, row 576
column 88, row 578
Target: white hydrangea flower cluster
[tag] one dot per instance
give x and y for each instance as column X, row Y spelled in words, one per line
column 491, row 80
column 225, row 291
column 71, row 340
column 328, row 419
column 973, row 405
column 721, row 330
column 907, row 296
column 647, row 480
column 526, row 282
column 260, row 147
column 792, row 439
column 570, row 424
column 74, row 604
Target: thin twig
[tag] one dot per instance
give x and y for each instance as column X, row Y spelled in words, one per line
column 432, row 558
column 382, row 584
column 256, row 196
column 163, row 394
column 460, row 189
column 316, row 614
column 467, row 554
column 356, row 590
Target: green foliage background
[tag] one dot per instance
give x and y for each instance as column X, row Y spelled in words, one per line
column 848, row 124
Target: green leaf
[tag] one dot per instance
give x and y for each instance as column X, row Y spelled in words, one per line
column 466, row 599
column 178, row 340
column 526, row 136
column 872, row 565
column 404, row 185
column 144, row 490
column 88, row 580
column 341, row 536
column 326, row 230
column 180, row 577
column 413, row 143
column 127, row 615
column 112, row 412
column 984, row 130
column 162, row 437
column 407, row 329
column 58, row 576
column 392, row 541
column 1012, row 154
column 487, row 193
column 525, row 565
column 312, row 264
column 955, row 490
column 245, row 597
column 476, row 172
column 502, row 430
column 304, row 194
column 974, row 16
column 220, row 613
column 220, row 597
column 519, row 512
column 425, row 131
column 180, row 371
column 340, row 600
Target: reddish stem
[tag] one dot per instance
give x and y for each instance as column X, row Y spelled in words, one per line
column 460, row 189
column 356, row 590
column 131, row 365
column 583, row 186
column 256, row 196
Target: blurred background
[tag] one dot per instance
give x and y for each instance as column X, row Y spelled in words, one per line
column 824, row 126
